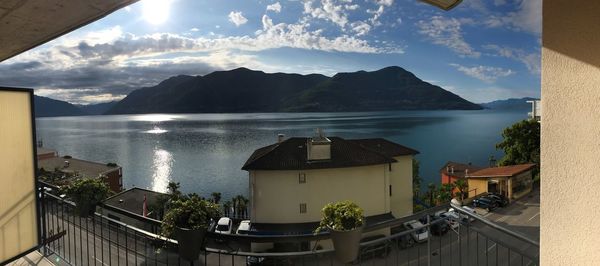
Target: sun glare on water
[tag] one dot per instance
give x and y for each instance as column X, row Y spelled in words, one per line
column 156, row 11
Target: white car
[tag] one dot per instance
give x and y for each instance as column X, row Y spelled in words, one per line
column 419, row 235
column 451, row 217
column 224, row 226
column 244, row 227
column 464, row 216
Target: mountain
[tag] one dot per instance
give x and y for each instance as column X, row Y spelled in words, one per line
column 45, row 107
column 510, row 104
column 245, row 90
column 97, row 109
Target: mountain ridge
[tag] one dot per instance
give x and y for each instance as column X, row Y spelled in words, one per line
column 245, row 90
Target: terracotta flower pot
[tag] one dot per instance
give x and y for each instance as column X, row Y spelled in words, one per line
column 346, row 244
column 190, row 242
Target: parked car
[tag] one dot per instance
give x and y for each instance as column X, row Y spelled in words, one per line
column 224, row 226
column 244, row 227
column 452, row 218
column 381, row 249
column 500, row 199
column 403, row 241
column 463, row 217
column 437, row 228
column 485, row 203
column 421, row 234
column 251, row 261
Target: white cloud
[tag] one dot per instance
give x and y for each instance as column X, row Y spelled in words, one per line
column 328, row 10
column 527, row 18
column 274, row 7
column 484, row 73
column 351, row 7
column 384, row 2
column 447, row 32
column 531, row 60
column 361, row 28
column 237, row 18
column 194, row 29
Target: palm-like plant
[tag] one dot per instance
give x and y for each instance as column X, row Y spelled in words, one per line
column 216, row 197
column 463, row 188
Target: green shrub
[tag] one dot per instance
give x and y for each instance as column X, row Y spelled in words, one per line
column 87, row 191
column 341, row 216
column 189, row 213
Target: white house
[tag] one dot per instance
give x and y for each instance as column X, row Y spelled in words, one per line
column 291, row 180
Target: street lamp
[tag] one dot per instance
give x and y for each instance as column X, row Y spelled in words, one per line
column 443, row 4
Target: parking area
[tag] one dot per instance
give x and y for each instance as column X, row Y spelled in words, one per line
column 522, row 215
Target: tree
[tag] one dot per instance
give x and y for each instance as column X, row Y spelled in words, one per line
column 416, row 178
column 216, row 197
column 431, row 193
column 521, row 144
column 463, row 188
column 173, row 189
column 445, row 192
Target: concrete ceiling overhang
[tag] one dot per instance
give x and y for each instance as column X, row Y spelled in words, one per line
column 25, row 24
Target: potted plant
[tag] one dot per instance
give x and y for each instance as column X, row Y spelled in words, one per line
column 345, row 221
column 187, row 219
column 87, row 193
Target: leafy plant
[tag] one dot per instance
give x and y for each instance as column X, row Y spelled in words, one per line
column 463, row 188
column 521, row 144
column 87, row 192
column 190, row 213
column 341, row 216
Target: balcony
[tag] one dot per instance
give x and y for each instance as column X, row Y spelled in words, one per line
column 100, row 240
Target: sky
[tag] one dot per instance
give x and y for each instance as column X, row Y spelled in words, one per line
column 482, row 50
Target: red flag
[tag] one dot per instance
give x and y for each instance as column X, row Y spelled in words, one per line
column 145, row 211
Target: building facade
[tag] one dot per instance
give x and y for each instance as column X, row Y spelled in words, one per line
column 74, row 168
column 513, row 181
column 453, row 171
column 292, row 180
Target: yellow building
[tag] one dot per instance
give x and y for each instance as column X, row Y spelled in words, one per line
column 292, row 180
column 513, row 181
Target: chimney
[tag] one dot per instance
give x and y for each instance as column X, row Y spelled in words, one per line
column 280, row 138
column 318, row 147
column 447, row 169
column 452, row 169
column 467, row 171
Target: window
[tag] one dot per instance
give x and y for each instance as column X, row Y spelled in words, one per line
column 390, row 190
column 302, row 207
column 302, row 178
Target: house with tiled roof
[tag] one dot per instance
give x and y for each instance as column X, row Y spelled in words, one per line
column 512, row 181
column 291, row 180
column 453, row 171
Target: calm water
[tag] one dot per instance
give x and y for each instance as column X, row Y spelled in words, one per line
column 204, row 152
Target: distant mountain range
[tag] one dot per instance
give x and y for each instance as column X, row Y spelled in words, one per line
column 510, row 104
column 46, row 107
column 245, row 90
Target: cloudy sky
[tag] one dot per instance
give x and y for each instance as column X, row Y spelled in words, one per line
column 482, row 50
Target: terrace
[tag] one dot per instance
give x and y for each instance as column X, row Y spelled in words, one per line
column 70, row 239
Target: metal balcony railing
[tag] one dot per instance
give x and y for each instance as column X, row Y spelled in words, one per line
column 100, row 240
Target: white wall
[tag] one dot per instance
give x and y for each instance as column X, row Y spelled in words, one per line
column 277, row 194
column 570, row 141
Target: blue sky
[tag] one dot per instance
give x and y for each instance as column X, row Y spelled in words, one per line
column 482, row 50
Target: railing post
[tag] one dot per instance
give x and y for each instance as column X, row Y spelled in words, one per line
column 43, row 216
column 429, row 239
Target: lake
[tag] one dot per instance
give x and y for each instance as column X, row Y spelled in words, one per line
column 204, row 152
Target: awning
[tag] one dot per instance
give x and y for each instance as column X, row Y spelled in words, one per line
column 25, row 24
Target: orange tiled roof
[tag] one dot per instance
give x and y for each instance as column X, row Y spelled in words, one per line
column 510, row 170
